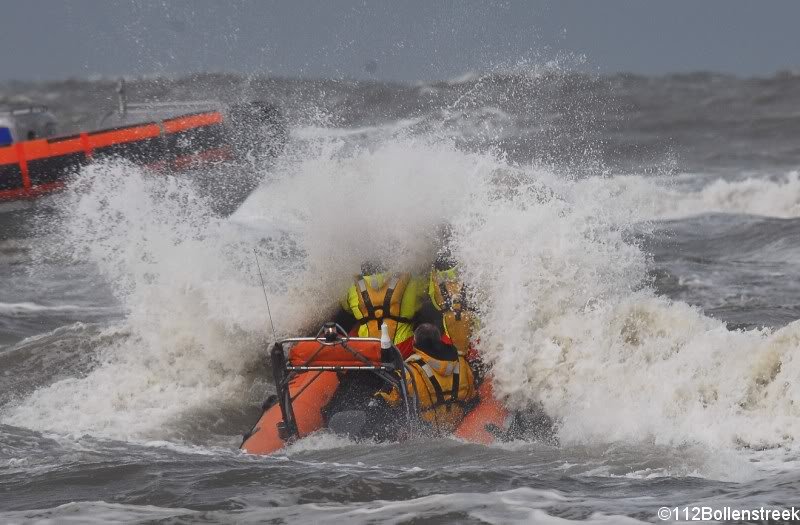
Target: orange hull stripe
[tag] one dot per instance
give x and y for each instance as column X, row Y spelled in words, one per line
column 192, row 121
column 86, row 143
column 65, row 147
column 8, row 155
column 109, row 138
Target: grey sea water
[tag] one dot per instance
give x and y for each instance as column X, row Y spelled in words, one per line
column 635, row 240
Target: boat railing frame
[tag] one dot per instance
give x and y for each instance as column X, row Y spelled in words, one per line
column 332, row 334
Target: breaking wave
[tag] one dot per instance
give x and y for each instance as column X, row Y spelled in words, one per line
column 30, row 307
column 660, row 199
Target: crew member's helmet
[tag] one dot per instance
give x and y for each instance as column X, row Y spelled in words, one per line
column 371, row 267
column 444, row 259
column 427, row 337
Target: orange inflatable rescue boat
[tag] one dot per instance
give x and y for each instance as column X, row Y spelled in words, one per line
column 307, row 371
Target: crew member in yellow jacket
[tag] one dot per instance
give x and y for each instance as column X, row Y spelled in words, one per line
column 377, row 296
column 438, row 379
column 448, row 295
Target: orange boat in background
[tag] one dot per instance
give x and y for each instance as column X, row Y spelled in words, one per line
column 172, row 136
column 307, row 378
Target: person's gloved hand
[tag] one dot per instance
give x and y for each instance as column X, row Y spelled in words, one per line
column 391, row 398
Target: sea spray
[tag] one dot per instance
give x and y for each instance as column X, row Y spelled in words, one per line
column 568, row 321
column 170, row 265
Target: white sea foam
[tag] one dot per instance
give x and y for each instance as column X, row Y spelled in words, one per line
column 32, row 308
column 565, row 323
column 318, row 441
column 765, row 196
column 165, row 256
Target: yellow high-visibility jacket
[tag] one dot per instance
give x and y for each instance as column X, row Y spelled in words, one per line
column 384, row 297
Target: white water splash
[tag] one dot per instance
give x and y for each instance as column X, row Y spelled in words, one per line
column 567, row 322
column 183, row 345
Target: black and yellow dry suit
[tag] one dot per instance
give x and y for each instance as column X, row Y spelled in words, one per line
column 383, row 297
column 443, row 388
column 448, row 296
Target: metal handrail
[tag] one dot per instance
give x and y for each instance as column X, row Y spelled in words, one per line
column 284, row 371
column 28, row 110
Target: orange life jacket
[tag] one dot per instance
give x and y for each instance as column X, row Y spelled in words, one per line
column 444, row 389
column 447, row 293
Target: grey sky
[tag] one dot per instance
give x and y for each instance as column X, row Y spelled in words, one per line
column 412, row 40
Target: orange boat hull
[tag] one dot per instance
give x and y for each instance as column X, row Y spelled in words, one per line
column 315, row 392
column 489, row 413
column 308, row 406
column 312, row 391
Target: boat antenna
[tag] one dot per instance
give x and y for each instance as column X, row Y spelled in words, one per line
column 263, row 287
column 122, row 98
